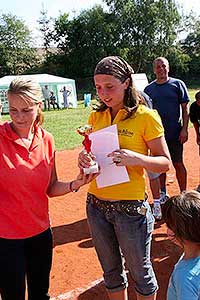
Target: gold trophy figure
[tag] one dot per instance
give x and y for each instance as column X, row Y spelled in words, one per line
column 85, row 131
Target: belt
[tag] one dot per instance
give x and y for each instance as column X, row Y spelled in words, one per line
column 129, row 207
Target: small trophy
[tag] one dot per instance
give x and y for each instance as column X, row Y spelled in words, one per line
column 85, row 131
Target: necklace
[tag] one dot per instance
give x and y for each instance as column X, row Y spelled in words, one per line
column 25, row 141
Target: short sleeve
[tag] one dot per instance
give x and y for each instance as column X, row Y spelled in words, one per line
column 183, row 97
column 153, row 126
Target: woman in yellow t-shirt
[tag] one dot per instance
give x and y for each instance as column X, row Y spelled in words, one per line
column 119, row 216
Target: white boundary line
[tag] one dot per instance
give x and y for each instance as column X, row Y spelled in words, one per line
column 72, row 295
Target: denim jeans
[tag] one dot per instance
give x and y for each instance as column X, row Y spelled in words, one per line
column 30, row 258
column 117, row 235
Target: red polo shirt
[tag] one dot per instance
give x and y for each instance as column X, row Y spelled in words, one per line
column 24, row 179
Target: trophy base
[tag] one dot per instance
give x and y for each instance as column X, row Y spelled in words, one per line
column 92, row 169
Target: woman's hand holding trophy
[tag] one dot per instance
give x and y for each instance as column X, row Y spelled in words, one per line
column 86, row 158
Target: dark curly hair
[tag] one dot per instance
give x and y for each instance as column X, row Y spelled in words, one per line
column 182, row 215
column 197, row 95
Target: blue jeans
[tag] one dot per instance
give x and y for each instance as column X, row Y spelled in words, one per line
column 30, row 258
column 117, row 235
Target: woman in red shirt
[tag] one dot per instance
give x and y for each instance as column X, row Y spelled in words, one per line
column 28, row 176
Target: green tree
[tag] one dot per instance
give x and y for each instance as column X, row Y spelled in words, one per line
column 148, row 29
column 16, row 51
column 55, row 60
column 137, row 30
column 81, row 42
column 45, row 28
column 191, row 46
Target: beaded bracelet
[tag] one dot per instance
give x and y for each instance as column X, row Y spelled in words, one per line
column 71, row 189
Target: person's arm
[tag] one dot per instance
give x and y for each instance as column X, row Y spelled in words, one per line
column 197, row 130
column 59, row 188
column 185, row 118
column 194, row 119
column 158, row 163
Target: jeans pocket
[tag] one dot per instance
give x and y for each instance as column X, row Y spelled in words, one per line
column 150, row 218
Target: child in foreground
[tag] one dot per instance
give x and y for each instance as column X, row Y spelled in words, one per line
column 182, row 216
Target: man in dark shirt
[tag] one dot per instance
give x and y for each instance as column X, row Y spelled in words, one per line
column 53, row 101
column 195, row 116
column 170, row 98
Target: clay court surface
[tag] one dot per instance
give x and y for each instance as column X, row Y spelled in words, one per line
column 75, row 266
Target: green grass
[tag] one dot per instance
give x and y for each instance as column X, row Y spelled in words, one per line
column 63, row 123
column 192, row 93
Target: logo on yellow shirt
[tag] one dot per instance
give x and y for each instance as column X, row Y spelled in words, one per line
column 125, row 132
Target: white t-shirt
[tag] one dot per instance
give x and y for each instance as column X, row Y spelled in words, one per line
column 46, row 93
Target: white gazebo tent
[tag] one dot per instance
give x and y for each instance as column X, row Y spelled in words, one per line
column 140, row 80
column 54, row 83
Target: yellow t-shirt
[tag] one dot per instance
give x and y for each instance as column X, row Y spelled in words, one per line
column 133, row 134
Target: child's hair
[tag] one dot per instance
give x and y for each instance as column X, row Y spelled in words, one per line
column 29, row 90
column 182, row 215
column 197, row 95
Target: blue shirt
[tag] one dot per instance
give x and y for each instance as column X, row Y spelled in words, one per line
column 184, row 283
column 147, row 99
column 167, row 98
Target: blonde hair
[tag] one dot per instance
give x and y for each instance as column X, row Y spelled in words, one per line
column 29, row 91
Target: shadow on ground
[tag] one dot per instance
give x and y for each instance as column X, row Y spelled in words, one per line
column 69, row 233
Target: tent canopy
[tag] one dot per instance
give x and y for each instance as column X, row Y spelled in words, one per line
column 41, row 78
column 140, row 80
column 55, row 84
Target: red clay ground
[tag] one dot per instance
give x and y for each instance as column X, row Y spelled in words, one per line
column 75, row 264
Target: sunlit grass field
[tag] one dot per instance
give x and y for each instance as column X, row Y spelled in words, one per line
column 63, row 123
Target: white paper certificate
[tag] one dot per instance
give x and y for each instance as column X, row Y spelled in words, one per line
column 105, row 141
